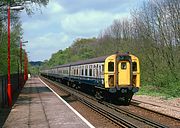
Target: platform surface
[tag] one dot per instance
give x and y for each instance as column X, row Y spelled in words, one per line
column 38, row 107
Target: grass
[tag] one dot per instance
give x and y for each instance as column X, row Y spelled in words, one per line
column 172, row 90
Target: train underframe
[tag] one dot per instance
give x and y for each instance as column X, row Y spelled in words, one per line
column 117, row 95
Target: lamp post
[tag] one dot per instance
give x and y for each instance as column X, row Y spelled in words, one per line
column 25, row 66
column 20, row 63
column 9, row 52
column 21, row 77
column 9, row 68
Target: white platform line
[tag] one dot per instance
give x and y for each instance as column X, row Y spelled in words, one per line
column 77, row 113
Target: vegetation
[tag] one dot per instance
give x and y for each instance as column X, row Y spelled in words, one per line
column 81, row 49
column 152, row 34
column 34, row 67
column 16, row 32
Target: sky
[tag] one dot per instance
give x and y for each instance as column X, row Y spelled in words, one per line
column 61, row 22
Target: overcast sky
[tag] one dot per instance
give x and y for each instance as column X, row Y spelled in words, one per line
column 56, row 26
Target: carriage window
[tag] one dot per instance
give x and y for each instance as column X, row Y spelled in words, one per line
column 102, row 68
column 123, row 65
column 99, row 68
column 99, row 71
column 94, row 70
column 74, row 72
column 134, row 66
column 111, row 66
column 90, row 72
column 86, row 72
column 77, row 72
column 82, row 72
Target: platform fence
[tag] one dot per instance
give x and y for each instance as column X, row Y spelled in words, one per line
column 17, row 83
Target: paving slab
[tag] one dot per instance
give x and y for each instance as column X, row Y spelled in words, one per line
column 38, row 107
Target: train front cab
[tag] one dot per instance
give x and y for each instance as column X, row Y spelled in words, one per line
column 122, row 75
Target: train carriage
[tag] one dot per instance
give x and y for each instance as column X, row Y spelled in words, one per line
column 114, row 76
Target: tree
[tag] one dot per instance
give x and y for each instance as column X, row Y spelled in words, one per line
column 16, row 31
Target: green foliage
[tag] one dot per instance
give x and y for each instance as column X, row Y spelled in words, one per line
column 16, row 32
column 80, row 50
column 14, row 52
column 33, row 70
column 150, row 36
column 168, row 90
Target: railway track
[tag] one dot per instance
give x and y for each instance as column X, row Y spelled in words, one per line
column 117, row 115
column 136, row 102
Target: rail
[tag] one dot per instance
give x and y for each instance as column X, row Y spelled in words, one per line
column 136, row 102
column 121, row 117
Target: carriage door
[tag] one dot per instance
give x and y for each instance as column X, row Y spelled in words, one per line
column 124, row 73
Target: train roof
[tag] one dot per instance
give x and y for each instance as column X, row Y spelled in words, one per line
column 89, row 61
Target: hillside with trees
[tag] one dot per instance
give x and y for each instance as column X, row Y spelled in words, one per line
column 152, row 33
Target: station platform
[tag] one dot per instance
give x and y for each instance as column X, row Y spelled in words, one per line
column 39, row 107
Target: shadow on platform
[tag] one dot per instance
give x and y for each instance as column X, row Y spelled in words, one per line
column 35, row 90
column 4, row 111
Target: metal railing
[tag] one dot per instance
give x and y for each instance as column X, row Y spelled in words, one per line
column 16, row 85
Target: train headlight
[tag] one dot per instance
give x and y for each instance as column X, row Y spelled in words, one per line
column 124, row 90
column 102, row 81
column 112, row 90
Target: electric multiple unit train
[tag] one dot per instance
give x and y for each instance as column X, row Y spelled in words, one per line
column 113, row 77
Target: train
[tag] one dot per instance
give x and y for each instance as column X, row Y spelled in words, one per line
column 111, row 77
